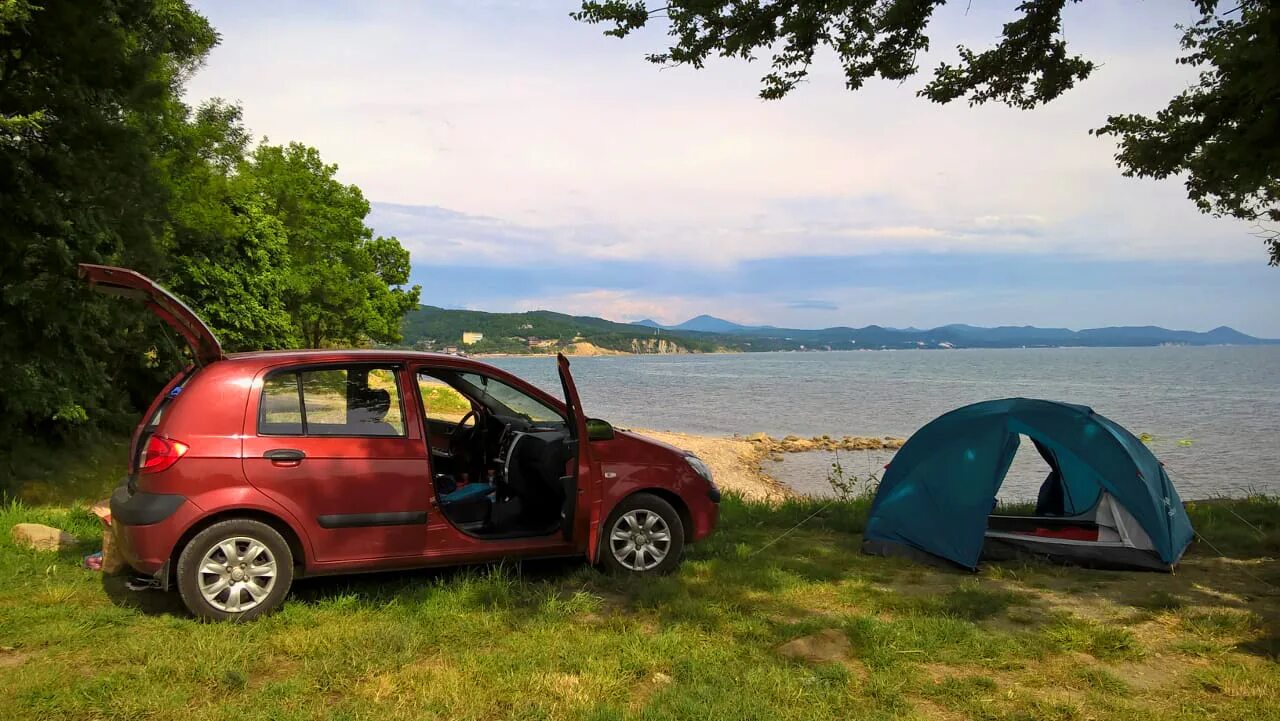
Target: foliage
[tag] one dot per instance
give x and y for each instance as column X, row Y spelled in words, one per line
column 1223, row 133
column 850, row 486
column 871, row 38
column 502, row 331
column 341, row 285
column 85, row 88
column 101, row 161
column 233, row 257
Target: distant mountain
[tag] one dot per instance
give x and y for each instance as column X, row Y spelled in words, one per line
column 546, row 330
column 700, row 324
column 709, row 324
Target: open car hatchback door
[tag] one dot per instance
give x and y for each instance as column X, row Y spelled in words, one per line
column 132, row 284
column 581, row 492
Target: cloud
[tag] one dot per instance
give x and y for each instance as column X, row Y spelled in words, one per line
column 439, row 236
column 528, row 161
column 621, row 306
column 549, row 139
column 812, row 305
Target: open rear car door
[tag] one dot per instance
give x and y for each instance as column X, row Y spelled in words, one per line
column 581, row 494
column 132, row 284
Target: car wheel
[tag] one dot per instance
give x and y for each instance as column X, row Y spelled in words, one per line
column 235, row 570
column 643, row 535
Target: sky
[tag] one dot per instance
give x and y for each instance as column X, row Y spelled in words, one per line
column 527, row 161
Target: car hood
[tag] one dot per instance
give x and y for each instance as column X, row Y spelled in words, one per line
column 632, row 444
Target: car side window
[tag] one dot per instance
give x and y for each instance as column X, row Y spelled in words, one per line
column 351, row 401
column 442, row 402
column 280, row 413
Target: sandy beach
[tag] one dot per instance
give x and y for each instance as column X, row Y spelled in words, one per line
column 736, row 461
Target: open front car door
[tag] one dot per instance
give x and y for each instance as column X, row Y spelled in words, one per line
column 582, row 494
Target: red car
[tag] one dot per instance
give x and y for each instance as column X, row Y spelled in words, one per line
column 252, row 469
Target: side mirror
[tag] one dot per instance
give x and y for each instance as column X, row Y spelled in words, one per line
column 598, row 430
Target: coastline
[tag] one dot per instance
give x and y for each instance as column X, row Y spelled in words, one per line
column 736, row 462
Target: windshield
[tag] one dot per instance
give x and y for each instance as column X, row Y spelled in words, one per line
column 509, row 401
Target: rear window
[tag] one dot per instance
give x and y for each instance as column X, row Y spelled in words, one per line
column 337, row 401
column 152, row 422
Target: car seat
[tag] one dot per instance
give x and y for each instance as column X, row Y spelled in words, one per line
column 368, row 412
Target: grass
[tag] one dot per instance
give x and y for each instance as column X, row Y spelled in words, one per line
column 561, row 641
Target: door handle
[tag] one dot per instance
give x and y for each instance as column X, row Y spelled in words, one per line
column 284, row 456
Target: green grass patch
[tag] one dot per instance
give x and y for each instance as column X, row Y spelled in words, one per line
column 558, row 640
column 1107, row 642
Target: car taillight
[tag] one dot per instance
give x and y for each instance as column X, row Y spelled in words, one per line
column 160, row 454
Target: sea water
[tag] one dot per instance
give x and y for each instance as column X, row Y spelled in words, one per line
column 1213, row 412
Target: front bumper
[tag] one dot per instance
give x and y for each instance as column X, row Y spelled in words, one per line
column 704, row 514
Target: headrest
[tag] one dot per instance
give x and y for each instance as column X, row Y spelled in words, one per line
column 369, row 405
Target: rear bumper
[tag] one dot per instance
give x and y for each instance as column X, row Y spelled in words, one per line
column 142, row 509
column 147, row 526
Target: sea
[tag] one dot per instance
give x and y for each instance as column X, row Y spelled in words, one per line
column 1212, row 413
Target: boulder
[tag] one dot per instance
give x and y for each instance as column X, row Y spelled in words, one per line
column 41, row 537
column 822, row 647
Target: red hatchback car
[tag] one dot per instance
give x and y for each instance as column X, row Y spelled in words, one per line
column 252, row 469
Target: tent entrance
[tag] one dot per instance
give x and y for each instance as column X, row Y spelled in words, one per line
column 1060, row 527
column 1106, row 536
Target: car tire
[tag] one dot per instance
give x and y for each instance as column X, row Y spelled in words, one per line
column 640, row 528
column 235, row 570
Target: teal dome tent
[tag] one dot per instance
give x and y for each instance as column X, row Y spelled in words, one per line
column 1107, row 501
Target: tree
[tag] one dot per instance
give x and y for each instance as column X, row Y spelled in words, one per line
column 101, row 161
column 1223, row 133
column 342, row 285
column 83, row 86
column 231, row 256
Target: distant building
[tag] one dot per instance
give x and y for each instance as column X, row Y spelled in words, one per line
column 451, row 349
column 535, row 342
column 471, row 337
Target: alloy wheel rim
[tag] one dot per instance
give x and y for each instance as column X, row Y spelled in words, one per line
column 237, row 574
column 640, row 540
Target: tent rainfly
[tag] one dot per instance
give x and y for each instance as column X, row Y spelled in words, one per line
column 1106, row 503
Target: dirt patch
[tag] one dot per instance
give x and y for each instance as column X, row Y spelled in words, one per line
column 734, row 462
column 825, row 646
column 931, row 710
column 647, row 687
column 12, row 657
column 938, row 672
column 1148, row 674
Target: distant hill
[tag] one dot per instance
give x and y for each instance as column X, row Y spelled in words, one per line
column 539, row 331
column 543, row 331
column 709, row 324
column 702, row 324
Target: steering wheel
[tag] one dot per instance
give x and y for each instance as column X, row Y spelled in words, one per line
column 461, row 433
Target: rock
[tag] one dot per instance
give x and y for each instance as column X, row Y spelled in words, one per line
column 822, row 647
column 41, row 537
column 102, row 509
column 759, row 438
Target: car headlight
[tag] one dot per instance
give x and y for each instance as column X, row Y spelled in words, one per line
column 700, row 468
